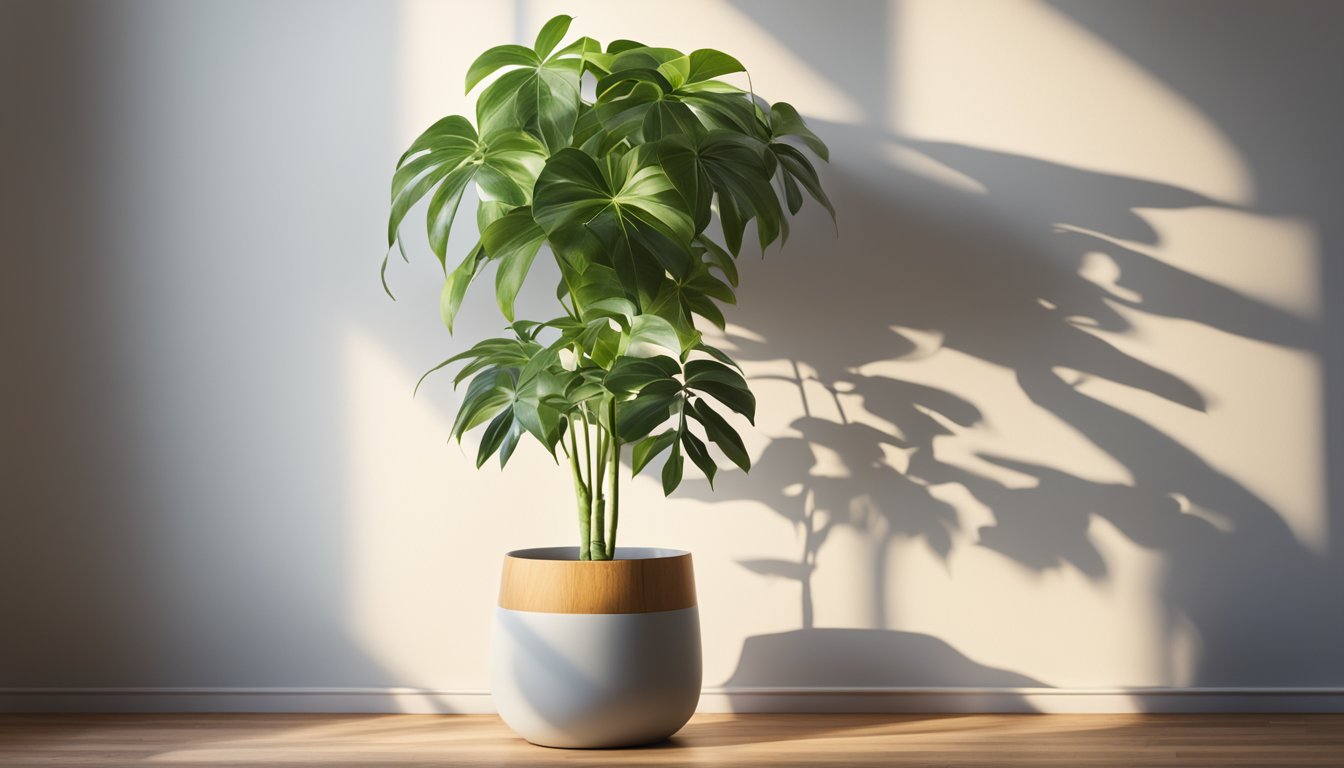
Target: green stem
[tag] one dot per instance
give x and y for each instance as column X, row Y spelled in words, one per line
column 587, row 448
column 615, row 480
column 581, row 494
column 598, row 544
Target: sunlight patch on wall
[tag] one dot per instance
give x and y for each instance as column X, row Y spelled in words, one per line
column 913, row 161
column 1023, row 78
column 422, row 519
column 434, row 58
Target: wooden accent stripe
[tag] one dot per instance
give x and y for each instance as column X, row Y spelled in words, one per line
column 641, row 585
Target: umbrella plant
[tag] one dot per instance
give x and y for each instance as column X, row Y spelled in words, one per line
column 640, row 171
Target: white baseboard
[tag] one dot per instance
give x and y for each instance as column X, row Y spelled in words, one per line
column 812, row 700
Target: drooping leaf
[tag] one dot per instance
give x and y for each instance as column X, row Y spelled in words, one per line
column 487, row 394
column 651, row 407
column 450, row 156
column 732, row 167
column 455, row 287
column 723, row 384
column 445, row 145
column 721, row 433
column 716, row 256
column 796, row 166
column 672, row 470
column 649, row 448
column 494, row 436
column 785, row 121
column 513, row 241
column 695, row 448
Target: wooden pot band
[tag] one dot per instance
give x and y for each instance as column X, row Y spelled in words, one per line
column 597, row 586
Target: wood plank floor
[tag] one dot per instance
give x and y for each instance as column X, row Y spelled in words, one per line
column 347, row 741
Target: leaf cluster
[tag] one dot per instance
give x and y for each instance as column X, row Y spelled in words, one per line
column 617, row 160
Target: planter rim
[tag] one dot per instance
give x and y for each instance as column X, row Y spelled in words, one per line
column 571, row 554
column 640, row 580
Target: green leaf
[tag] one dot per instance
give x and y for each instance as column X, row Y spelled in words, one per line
column 651, row 407
column 649, row 448
column 547, row 104
column 632, row 209
column 733, row 167
column 509, row 443
column 552, row 32
column 630, row 374
column 698, row 371
column 795, row 165
column 632, row 75
column 455, row 287
column 489, row 393
column 723, row 384
column 494, row 436
column 672, row 470
column 513, row 241
column 508, row 167
column 785, row 121
column 636, row 108
column 443, row 208
column 678, row 298
column 446, row 145
column 699, row 454
column 721, row 106
column 541, row 100
column 584, row 47
column 721, row 433
column 643, row 57
column 497, row 57
column 720, row 259
column 707, row 64
column 676, row 70
column 449, row 156
column 717, row 354
column 620, row 46
column 650, row 336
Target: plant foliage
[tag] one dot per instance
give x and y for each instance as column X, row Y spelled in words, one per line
column 621, row 189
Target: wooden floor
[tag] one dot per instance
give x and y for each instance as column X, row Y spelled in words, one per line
column 852, row 741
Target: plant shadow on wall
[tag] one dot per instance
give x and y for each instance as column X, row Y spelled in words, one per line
column 1029, row 267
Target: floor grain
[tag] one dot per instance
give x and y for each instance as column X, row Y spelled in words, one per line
column 779, row 741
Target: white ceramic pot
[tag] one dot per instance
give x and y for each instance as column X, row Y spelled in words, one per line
column 589, row 654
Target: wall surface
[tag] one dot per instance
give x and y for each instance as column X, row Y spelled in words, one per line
column 1050, row 423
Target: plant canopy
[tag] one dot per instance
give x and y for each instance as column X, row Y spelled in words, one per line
column 622, row 189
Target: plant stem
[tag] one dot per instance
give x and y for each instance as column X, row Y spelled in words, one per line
column 615, row 480
column 580, row 494
column 597, row 550
column 598, row 544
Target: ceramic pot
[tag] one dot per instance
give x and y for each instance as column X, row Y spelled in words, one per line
column 589, row 654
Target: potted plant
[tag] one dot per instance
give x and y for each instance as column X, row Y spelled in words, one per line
column 595, row 645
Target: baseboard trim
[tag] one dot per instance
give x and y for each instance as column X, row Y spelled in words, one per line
column 713, row 699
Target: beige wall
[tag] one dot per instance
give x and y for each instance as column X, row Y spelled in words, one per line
column 1057, row 408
